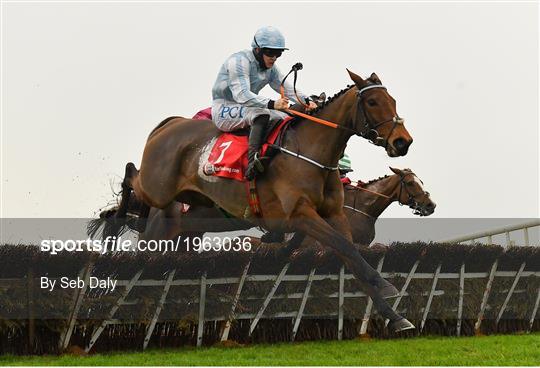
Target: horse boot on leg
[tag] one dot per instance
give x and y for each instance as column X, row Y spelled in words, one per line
column 256, row 140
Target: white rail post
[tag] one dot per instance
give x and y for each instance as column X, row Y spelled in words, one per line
column 227, row 328
column 485, row 297
column 510, row 292
column 302, row 304
column 526, row 236
column 460, row 302
column 369, row 306
column 508, row 241
column 341, row 300
column 490, row 240
column 268, row 298
column 120, row 300
column 404, row 288
column 161, row 302
column 430, row 297
column 535, row 309
column 76, row 305
column 202, row 301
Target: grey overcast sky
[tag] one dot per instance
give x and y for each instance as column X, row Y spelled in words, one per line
column 84, row 83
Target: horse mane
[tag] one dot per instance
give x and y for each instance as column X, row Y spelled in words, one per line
column 330, row 99
column 374, row 180
column 364, row 184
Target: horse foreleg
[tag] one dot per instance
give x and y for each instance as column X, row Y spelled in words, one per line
column 308, row 221
column 293, row 244
column 340, row 223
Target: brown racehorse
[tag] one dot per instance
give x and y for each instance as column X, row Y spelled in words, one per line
column 364, row 203
column 295, row 195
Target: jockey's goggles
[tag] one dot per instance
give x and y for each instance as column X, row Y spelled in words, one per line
column 272, row 52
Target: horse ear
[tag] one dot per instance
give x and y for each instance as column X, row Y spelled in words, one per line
column 356, row 79
column 374, row 78
column 395, row 171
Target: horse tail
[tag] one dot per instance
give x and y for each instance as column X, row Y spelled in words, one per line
column 99, row 227
column 95, row 227
column 129, row 214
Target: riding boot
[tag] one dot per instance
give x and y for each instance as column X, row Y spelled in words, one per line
column 256, row 140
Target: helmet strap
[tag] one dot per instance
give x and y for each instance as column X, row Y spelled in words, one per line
column 259, row 58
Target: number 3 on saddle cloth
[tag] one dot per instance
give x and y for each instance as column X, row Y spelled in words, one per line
column 228, row 157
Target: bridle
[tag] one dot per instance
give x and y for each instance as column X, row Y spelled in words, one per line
column 411, row 200
column 369, row 130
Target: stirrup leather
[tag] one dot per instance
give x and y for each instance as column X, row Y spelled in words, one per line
column 257, row 163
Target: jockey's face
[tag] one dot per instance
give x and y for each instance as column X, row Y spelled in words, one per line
column 269, row 60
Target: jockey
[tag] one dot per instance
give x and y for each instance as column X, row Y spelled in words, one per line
column 344, row 167
column 236, row 103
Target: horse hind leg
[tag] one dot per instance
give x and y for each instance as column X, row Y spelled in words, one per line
column 118, row 223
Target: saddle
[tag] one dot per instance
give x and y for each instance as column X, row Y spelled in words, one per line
column 228, row 156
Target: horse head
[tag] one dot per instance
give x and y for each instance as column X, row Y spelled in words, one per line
column 411, row 193
column 376, row 117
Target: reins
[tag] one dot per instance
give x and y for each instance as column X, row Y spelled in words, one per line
column 369, row 132
column 372, row 192
column 353, row 207
column 410, row 201
column 295, row 68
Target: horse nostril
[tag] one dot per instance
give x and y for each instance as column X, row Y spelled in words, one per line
column 402, row 146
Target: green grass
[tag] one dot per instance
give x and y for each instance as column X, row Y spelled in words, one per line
column 480, row 351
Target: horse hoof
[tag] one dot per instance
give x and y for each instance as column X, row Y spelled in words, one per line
column 388, row 291
column 403, row 325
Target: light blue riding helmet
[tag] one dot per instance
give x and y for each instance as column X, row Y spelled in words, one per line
column 268, row 37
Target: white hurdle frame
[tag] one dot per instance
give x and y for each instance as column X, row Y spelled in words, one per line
column 268, row 298
column 159, row 307
column 430, row 297
column 105, row 322
column 369, row 306
column 302, row 304
column 510, row 292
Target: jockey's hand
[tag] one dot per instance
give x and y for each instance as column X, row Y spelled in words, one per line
column 281, row 104
column 311, row 106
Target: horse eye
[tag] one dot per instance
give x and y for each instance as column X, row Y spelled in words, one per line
column 410, row 183
column 372, row 102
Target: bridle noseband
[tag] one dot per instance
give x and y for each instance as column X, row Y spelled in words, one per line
column 369, row 130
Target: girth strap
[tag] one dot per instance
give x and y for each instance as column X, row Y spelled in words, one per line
column 307, row 159
column 357, row 210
